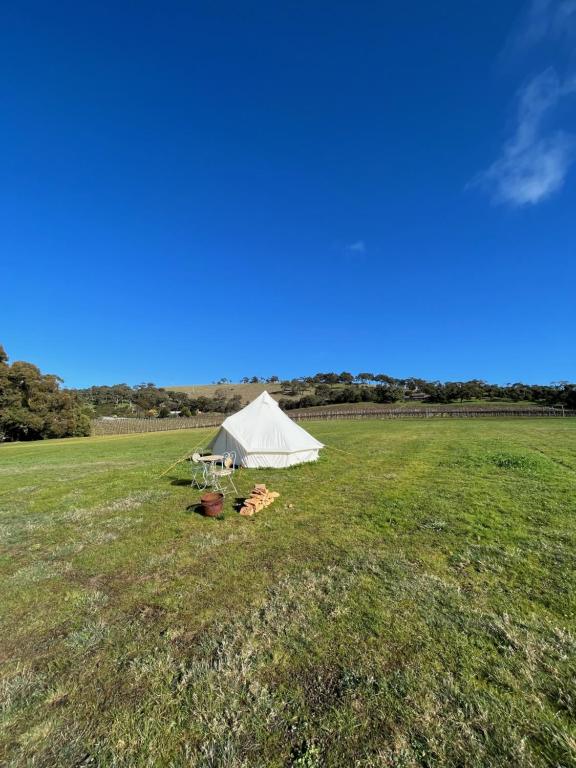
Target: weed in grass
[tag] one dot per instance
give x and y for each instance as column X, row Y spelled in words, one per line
column 66, row 549
column 19, row 688
column 91, row 600
column 525, row 463
column 40, row 571
column 521, row 462
column 306, row 756
column 164, row 558
column 433, row 524
column 88, row 637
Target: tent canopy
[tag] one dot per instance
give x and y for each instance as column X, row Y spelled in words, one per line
column 262, row 435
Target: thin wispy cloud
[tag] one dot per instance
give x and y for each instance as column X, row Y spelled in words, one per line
column 535, row 160
column 545, row 20
column 357, row 247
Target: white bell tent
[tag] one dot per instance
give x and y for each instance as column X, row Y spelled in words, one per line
column 262, row 435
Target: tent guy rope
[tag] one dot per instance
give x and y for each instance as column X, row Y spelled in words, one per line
column 189, row 453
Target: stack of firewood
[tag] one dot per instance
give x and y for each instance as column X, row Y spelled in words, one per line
column 259, row 498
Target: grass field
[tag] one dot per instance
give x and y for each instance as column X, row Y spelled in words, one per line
column 410, row 605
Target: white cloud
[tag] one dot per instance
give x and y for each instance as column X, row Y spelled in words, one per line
column 534, row 162
column 545, row 20
column 358, row 247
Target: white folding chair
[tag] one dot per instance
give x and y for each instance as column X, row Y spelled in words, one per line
column 198, row 472
column 220, row 473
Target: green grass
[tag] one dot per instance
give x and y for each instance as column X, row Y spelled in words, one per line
column 411, row 604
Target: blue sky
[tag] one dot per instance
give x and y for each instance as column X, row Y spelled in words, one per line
column 208, row 189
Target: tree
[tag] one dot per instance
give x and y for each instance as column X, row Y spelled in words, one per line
column 323, row 392
column 388, row 394
column 570, row 396
column 292, row 387
column 33, row 407
column 234, row 404
column 472, row 390
column 384, row 379
column 389, row 389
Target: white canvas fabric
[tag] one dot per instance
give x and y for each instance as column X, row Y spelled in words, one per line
column 262, row 435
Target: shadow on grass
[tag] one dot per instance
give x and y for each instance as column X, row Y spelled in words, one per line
column 180, row 481
column 196, row 508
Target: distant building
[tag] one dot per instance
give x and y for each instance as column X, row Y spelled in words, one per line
column 417, row 396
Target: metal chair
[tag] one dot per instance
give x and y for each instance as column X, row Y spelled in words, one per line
column 198, row 472
column 219, row 473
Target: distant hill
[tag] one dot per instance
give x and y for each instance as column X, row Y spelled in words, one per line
column 247, row 392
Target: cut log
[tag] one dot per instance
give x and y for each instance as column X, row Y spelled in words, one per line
column 260, row 497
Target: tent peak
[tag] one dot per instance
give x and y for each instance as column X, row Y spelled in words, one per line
column 264, row 397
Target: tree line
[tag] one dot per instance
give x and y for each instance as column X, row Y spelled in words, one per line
column 320, row 389
column 333, row 388
column 34, row 406
column 149, row 400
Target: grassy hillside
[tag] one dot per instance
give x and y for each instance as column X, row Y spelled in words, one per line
column 410, row 602
column 250, row 391
column 247, row 392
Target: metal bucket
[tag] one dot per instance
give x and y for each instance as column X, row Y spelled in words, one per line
column 212, row 504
